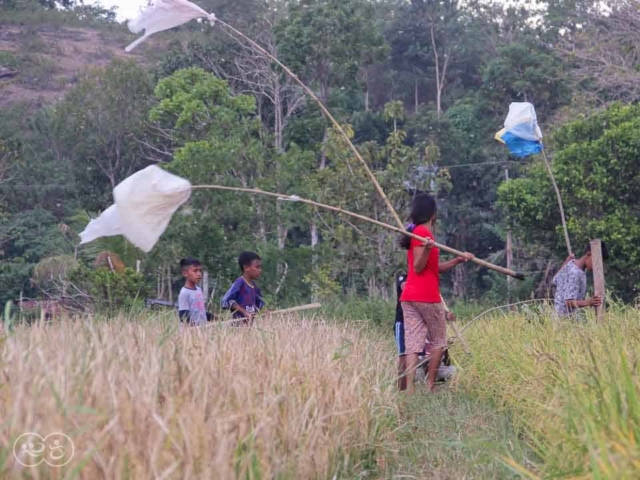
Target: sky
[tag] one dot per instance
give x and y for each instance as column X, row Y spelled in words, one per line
column 126, row 8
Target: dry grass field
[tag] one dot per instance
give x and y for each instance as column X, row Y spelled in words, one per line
column 291, row 399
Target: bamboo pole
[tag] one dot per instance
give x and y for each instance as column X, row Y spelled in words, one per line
column 555, row 187
column 303, row 308
column 325, row 111
column 286, row 311
column 402, row 230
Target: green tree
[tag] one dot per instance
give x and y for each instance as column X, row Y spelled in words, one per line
column 595, row 165
column 394, row 111
column 24, row 240
column 220, row 140
column 327, row 42
column 101, row 127
column 525, row 72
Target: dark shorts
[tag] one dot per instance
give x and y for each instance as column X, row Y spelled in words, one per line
column 399, row 329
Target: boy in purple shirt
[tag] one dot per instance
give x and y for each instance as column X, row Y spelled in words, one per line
column 244, row 297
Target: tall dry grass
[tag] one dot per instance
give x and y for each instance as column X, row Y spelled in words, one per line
column 294, row 399
column 574, row 389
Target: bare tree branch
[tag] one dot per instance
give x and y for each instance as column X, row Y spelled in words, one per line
column 605, row 55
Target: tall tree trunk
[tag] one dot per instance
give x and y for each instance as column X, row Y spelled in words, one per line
column 279, row 119
column 315, row 236
column 169, row 285
column 460, row 282
column 416, row 96
column 283, row 231
column 366, row 89
column 262, row 226
column 441, row 76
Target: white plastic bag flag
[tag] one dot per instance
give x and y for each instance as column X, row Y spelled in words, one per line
column 106, row 225
column 521, row 132
column 163, row 15
column 144, row 205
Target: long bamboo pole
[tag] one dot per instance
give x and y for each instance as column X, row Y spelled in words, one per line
column 325, row 111
column 555, row 187
column 401, row 229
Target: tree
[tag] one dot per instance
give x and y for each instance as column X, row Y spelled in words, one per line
column 525, row 72
column 220, row 140
column 326, row 42
column 24, row 240
column 596, row 168
column 101, row 125
column 604, row 54
column 436, row 43
column 394, row 111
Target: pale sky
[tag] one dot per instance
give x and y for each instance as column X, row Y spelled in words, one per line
column 126, row 8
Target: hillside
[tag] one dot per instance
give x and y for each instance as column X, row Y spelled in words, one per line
column 39, row 64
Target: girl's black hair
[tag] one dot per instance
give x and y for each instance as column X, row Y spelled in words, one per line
column 423, row 209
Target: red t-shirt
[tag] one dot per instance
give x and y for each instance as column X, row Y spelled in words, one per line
column 423, row 287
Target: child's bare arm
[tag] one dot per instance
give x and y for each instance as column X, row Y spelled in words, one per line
column 239, row 309
column 594, row 301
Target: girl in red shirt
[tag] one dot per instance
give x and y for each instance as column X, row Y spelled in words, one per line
column 424, row 314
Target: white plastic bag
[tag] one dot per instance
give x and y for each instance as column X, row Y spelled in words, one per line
column 522, row 122
column 106, row 225
column 163, row 15
column 145, row 203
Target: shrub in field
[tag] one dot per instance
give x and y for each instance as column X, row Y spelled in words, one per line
column 142, row 399
column 574, row 389
column 108, row 289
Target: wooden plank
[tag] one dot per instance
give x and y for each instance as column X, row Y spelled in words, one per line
column 598, row 276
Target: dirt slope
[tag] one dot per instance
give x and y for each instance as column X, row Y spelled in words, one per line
column 39, row 64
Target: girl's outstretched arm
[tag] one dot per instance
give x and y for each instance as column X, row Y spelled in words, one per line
column 451, row 264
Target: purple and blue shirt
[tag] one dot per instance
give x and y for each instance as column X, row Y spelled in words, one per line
column 243, row 294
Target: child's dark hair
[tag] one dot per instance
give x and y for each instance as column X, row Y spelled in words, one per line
column 423, row 209
column 605, row 251
column 189, row 262
column 246, row 259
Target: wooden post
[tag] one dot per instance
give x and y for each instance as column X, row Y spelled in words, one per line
column 598, row 276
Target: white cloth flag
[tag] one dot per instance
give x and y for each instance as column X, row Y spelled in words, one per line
column 163, row 15
column 145, row 203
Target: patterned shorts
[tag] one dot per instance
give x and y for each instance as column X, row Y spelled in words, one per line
column 424, row 323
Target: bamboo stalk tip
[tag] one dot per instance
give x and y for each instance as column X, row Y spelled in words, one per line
column 519, row 276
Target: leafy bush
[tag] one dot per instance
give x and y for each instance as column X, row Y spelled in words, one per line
column 110, row 290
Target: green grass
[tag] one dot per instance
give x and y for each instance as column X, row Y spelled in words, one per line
column 573, row 388
column 452, row 435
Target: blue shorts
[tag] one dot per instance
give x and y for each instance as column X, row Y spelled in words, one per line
column 399, row 329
